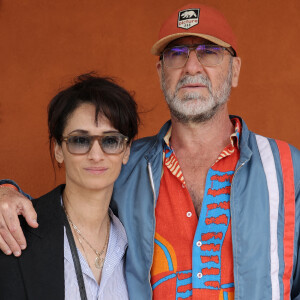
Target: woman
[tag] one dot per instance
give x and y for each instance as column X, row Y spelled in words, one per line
column 77, row 252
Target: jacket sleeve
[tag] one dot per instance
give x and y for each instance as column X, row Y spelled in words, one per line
column 9, row 181
column 11, row 281
column 295, row 292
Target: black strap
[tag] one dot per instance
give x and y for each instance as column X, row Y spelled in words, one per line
column 75, row 258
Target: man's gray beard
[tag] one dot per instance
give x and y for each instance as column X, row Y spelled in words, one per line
column 206, row 106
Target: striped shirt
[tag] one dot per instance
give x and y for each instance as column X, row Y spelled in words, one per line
column 113, row 284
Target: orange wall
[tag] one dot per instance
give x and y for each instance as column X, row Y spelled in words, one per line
column 46, row 43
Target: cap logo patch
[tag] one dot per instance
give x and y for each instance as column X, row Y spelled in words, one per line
column 188, row 18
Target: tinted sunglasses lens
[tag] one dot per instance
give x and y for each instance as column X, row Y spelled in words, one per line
column 79, row 144
column 210, row 55
column 175, row 57
column 112, row 144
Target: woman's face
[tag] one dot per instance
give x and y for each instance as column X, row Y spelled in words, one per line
column 94, row 170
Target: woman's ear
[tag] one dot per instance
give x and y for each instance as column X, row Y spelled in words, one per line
column 126, row 154
column 58, row 153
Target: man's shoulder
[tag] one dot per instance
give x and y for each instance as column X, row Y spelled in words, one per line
column 143, row 143
column 278, row 145
column 143, row 150
column 282, row 152
column 148, row 146
column 251, row 137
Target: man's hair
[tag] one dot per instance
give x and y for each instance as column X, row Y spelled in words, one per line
column 109, row 99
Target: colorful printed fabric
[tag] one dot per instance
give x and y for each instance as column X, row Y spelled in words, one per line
column 193, row 258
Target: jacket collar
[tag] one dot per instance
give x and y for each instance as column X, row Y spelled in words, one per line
column 157, row 146
column 245, row 151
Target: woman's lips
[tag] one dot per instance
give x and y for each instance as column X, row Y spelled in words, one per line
column 96, row 170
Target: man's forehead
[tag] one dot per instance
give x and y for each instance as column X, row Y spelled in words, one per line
column 189, row 40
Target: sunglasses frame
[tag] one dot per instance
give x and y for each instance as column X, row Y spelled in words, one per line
column 194, row 47
column 92, row 140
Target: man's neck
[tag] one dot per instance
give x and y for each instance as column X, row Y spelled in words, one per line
column 208, row 137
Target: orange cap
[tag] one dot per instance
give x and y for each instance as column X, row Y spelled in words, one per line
column 195, row 20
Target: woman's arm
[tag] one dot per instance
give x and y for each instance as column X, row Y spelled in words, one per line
column 14, row 202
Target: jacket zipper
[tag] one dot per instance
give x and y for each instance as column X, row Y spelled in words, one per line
column 154, row 199
column 237, row 170
column 236, row 294
column 151, row 181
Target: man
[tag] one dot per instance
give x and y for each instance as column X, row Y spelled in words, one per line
column 211, row 209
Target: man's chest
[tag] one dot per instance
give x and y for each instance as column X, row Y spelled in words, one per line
column 191, row 251
column 193, row 229
column 195, row 179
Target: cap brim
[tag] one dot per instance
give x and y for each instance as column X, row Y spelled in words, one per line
column 160, row 45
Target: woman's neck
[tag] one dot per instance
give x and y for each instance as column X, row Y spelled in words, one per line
column 88, row 209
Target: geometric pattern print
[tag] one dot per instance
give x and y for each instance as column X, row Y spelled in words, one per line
column 183, row 283
column 168, row 263
column 212, row 227
column 207, row 246
column 168, row 260
column 210, row 233
column 209, row 236
column 268, row 163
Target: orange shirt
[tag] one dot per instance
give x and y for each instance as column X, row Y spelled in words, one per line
column 193, row 257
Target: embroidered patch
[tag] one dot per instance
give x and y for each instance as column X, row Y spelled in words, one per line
column 188, row 18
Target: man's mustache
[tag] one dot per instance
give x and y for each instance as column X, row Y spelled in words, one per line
column 196, row 79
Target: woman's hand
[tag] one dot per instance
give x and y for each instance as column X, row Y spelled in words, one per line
column 12, row 204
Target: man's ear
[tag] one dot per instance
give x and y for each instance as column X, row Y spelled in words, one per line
column 59, row 156
column 236, row 67
column 159, row 71
column 126, row 155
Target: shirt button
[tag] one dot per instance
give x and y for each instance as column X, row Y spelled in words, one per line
column 183, row 186
column 199, row 275
column 188, row 214
column 199, row 244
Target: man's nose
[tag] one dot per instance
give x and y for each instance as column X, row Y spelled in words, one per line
column 193, row 65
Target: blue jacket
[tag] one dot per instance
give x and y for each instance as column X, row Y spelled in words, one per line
column 258, row 220
column 259, row 223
